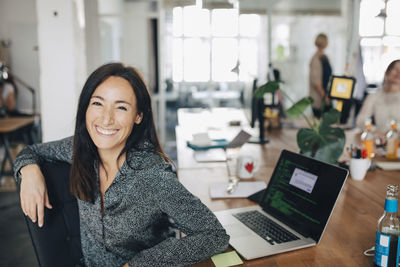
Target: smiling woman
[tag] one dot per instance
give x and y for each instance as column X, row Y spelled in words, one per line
column 128, row 196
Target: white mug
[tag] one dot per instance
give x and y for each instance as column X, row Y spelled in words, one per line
column 246, row 166
column 359, row 167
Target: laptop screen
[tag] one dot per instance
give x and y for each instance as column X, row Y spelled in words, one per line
column 302, row 193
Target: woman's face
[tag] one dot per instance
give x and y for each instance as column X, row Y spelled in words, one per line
column 111, row 114
column 393, row 76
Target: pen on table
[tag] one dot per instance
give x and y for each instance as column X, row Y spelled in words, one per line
column 358, row 153
column 353, row 152
column 364, row 153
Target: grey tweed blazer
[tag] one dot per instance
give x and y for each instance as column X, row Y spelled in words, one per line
column 141, row 206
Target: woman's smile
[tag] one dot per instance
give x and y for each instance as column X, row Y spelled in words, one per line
column 107, row 132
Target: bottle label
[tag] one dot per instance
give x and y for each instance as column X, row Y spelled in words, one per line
column 391, row 148
column 391, row 205
column 369, row 146
column 383, row 247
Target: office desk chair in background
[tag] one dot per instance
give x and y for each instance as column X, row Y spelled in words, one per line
column 57, row 243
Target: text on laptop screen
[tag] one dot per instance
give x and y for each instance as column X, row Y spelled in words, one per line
column 302, row 193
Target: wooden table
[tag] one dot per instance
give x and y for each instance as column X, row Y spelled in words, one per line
column 351, row 229
column 8, row 125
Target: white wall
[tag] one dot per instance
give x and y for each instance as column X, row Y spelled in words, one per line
column 92, row 35
column 136, row 46
column 137, row 51
column 110, row 25
column 18, row 22
column 62, row 65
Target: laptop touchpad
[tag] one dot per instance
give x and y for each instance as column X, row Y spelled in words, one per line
column 236, row 230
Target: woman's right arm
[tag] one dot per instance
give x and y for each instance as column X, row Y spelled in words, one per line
column 366, row 111
column 60, row 150
column 33, row 192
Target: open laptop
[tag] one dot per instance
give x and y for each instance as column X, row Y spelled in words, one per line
column 293, row 212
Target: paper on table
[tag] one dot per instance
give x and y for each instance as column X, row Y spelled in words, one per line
column 210, row 155
column 388, row 165
column 243, row 189
column 227, row 259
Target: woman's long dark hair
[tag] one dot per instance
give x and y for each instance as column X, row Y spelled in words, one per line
column 83, row 182
column 391, row 66
column 388, row 69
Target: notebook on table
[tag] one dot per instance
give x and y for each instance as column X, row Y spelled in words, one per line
column 294, row 210
column 219, row 154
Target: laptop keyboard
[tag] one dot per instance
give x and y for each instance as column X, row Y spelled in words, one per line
column 272, row 232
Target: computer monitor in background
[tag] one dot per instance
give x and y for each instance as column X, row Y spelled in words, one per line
column 341, row 87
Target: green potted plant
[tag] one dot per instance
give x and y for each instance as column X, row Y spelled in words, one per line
column 321, row 140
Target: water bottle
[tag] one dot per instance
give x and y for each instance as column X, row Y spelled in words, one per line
column 367, row 139
column 392, row 143
column 387, row 231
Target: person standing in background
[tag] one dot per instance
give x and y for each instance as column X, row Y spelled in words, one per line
column 320, row 72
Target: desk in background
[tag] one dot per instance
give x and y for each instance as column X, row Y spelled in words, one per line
column 351, row 229
column 8, row 126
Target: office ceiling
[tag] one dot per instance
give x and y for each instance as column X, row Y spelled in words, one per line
column 293, row 6
column 324, row 7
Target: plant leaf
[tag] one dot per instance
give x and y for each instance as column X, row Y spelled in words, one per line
column 299, row 107
column 330, row 117
column 308, row 141
column 269, row 87
column 326, row 145
column 332, row 145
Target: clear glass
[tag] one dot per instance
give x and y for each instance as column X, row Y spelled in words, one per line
column 281, row 40
column 392, row 191
column 224, row 22
column 248, row 51
column 177, row 21
column 392, row 133
column 231, row 162
column 207, row 44
column 177, row 59
column 196, row 60
column 372, row 50
column 392, row 141
column 249, row 25
column 368, row 139
column 393, row 18
column 370, row 23
column 196, row 21
column 224, row 58
column 367, row 133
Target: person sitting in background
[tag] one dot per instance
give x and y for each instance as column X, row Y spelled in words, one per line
column 7, row 97
column 320, row 72
column 128, row 195
column 384, row 105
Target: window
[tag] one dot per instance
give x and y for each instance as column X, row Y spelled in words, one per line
column 208, row 44
column 380, row 36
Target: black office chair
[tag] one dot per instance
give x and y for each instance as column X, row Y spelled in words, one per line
column 57, row 243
